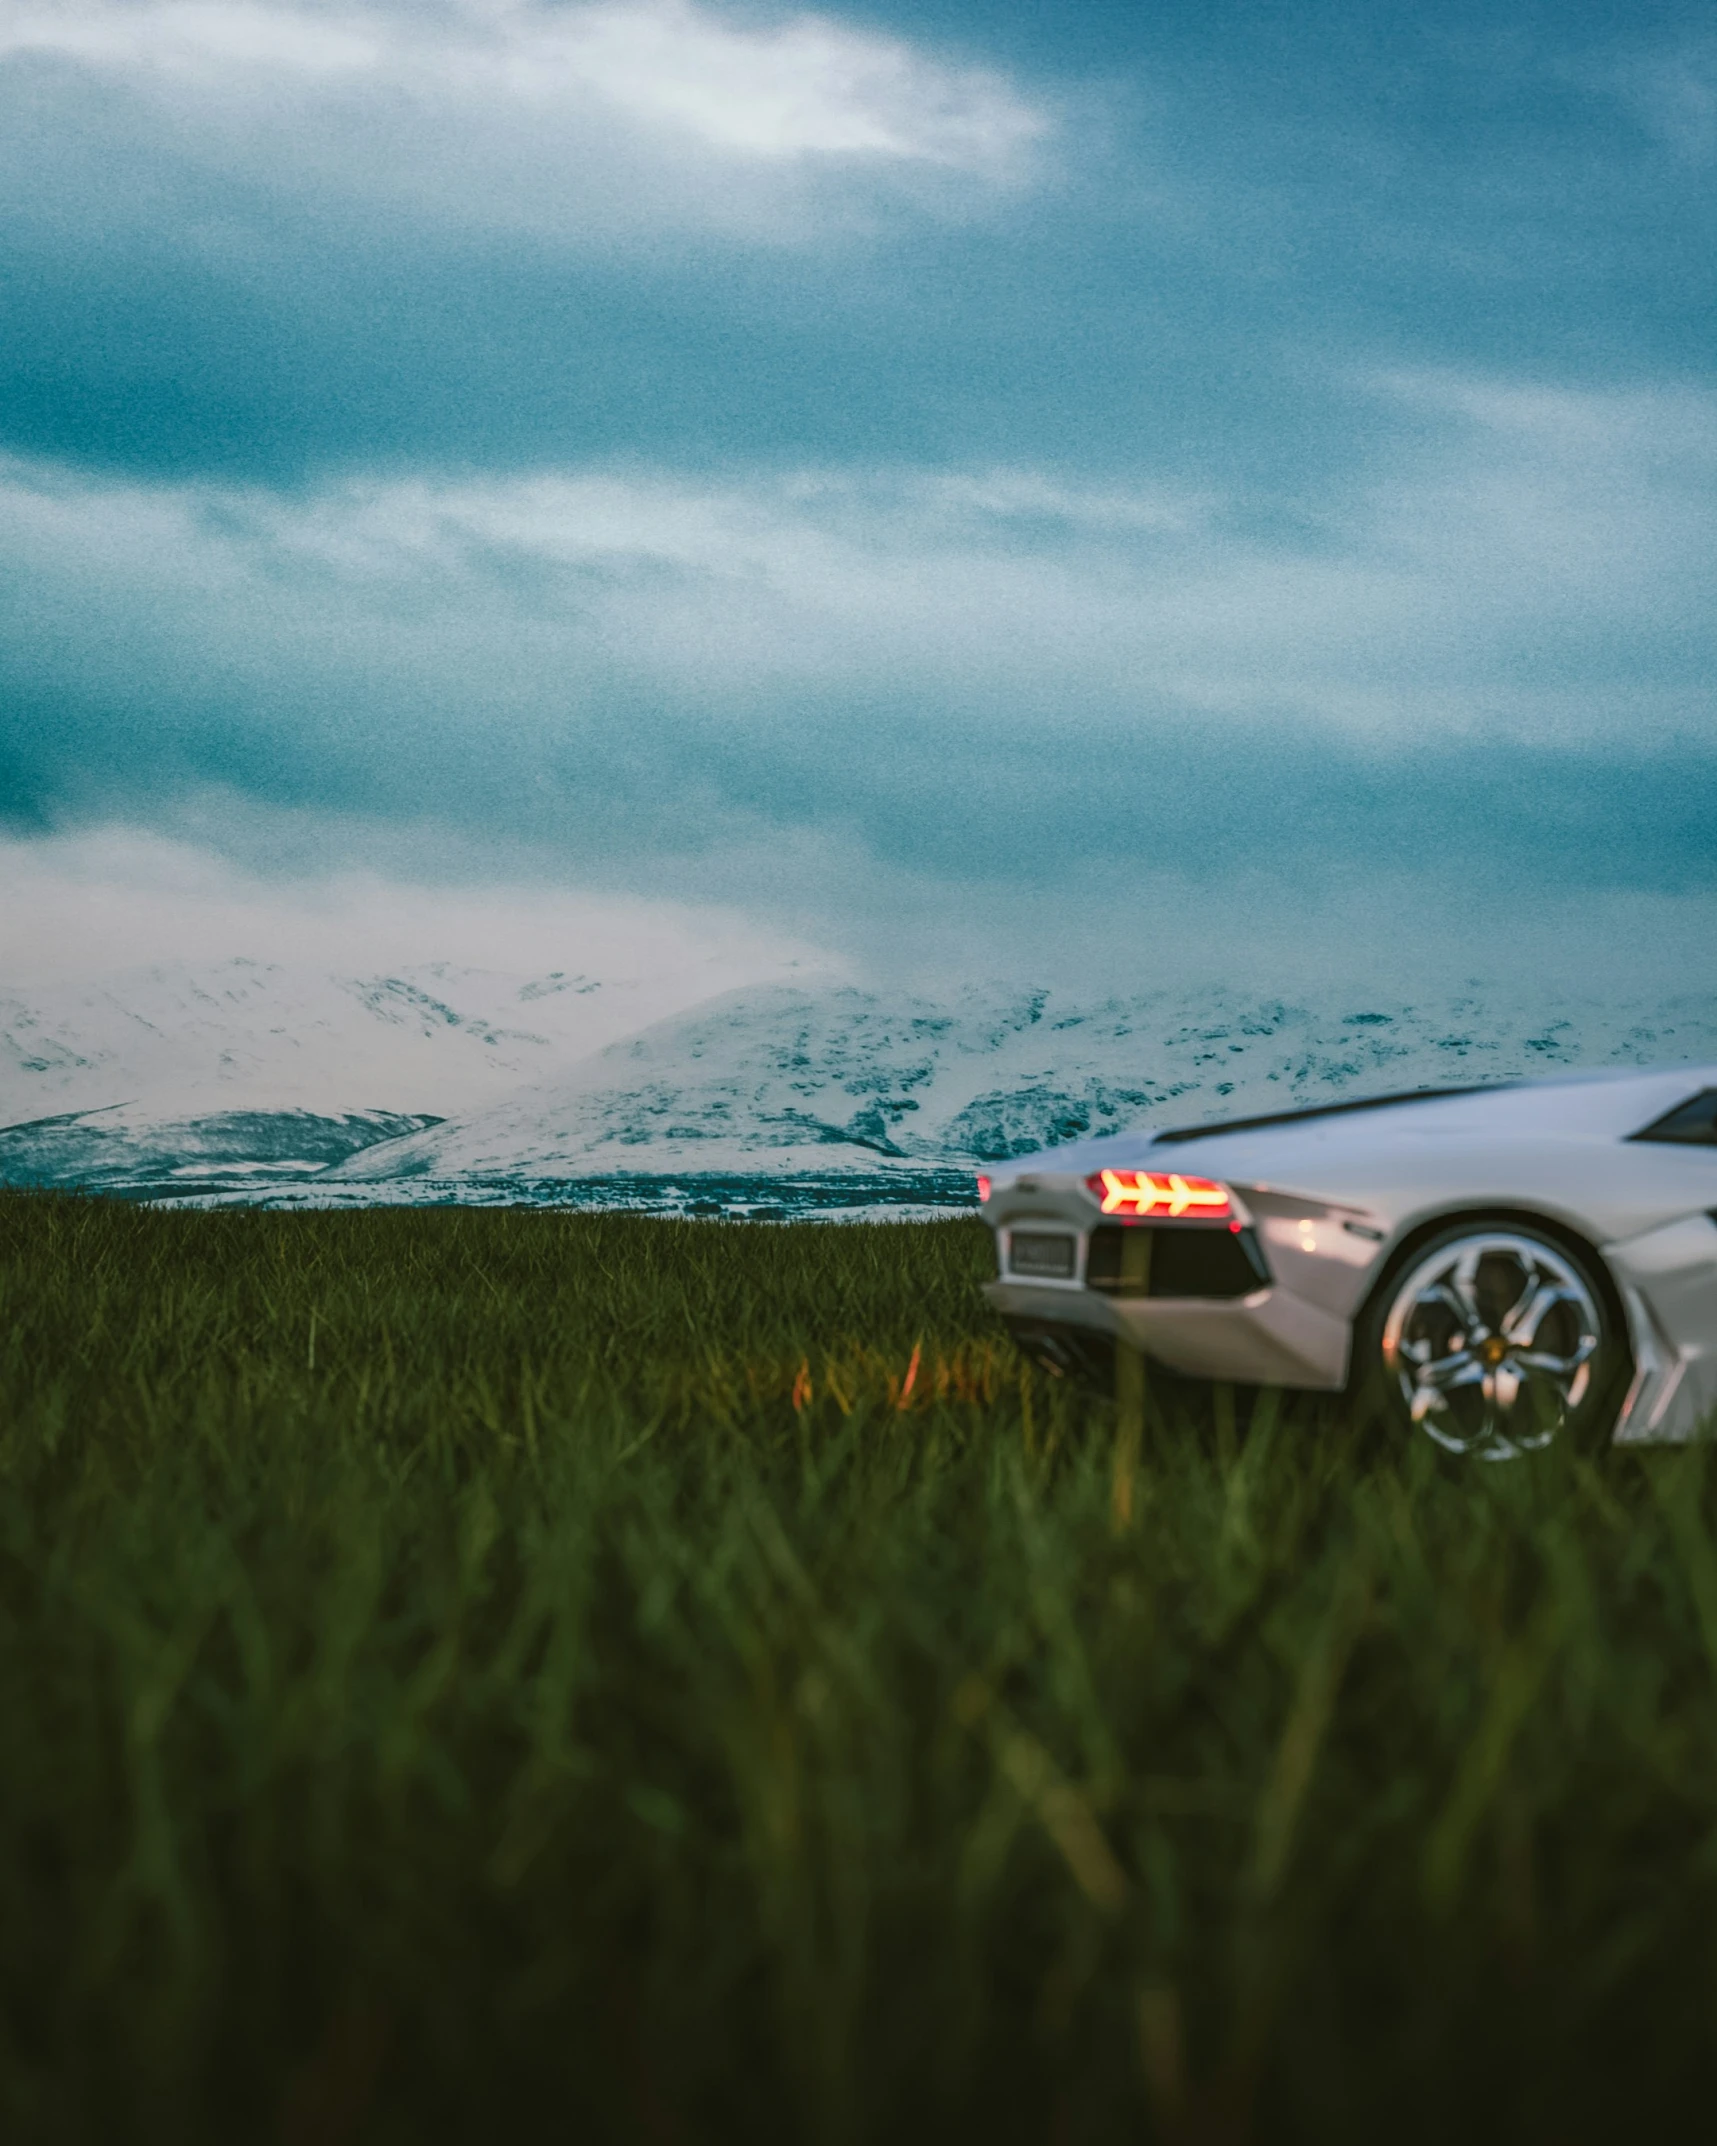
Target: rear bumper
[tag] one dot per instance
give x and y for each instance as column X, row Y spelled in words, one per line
column 1270, row 1338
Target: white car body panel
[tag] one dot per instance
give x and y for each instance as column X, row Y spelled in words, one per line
column 1329, row 1197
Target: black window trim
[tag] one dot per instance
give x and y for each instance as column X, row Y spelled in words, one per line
column 1657, row 1133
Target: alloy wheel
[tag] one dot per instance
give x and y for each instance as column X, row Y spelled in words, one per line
column 1489, row 1340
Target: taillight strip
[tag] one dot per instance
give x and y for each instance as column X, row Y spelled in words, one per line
column 1162, row 1193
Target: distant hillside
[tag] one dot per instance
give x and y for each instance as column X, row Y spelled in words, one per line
column 779, row 1081
column 255, row 1034
column 135, row 1151
column 764, row 1099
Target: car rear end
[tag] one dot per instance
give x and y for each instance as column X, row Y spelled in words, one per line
column 1183, row 1268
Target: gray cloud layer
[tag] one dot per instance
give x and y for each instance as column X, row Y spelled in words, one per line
column 613, row 657
column 823, row 464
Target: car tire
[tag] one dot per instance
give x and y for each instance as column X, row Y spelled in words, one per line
column 1494, row 1339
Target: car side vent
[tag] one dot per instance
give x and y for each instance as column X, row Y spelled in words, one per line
column 1691, row 1124
column 1182, row 1260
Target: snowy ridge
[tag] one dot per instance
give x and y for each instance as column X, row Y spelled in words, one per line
column 257, row 1034
column 134, row 1150
column 766, row 1099
column 782, row 1083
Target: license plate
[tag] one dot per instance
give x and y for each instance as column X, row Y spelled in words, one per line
column 1041, row 1254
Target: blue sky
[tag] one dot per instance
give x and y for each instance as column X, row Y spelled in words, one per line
column 941, row 481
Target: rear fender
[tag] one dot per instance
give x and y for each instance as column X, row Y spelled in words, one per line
column 1668, row 1282
column 1406, row 1248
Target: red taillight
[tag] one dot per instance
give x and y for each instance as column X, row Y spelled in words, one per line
column 1161, row 1193
column 983, row 1189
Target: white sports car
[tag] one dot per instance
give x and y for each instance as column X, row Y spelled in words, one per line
column 1497, row 1266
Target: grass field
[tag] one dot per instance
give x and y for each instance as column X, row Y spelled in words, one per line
column 521, row 1676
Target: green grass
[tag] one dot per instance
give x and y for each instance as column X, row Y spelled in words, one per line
column 506, row 1675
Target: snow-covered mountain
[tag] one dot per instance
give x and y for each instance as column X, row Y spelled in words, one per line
column 778, row 1083
column 260, row 1035
column 237, row 1074
column 134, row 1150
column 765, row 1098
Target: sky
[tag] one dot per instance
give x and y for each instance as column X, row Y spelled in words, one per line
column 1124, row 491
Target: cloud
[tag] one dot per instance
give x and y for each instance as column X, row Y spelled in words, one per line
column 743, row 450
column 1521, row 563
column 849, row 697
column 119, row 897
column 567, row 121
column 1672, row 92
column 361, row 899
